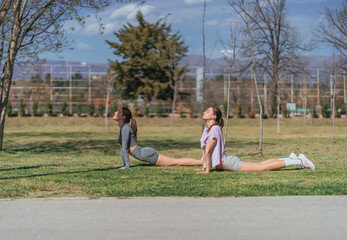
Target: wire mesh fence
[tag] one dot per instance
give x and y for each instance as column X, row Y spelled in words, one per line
column 85, row 84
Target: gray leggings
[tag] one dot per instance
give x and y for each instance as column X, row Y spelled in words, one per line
column 145, row 154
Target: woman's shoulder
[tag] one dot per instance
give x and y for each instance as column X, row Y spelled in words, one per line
column 215, row 128
column 126, row 128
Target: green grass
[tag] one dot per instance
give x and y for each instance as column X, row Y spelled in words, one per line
column 78, row 157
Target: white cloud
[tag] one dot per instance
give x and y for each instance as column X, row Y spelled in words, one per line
column 82, row 45
column 112, row 20
column 192, row 2
column 128, row 12
column 212, row 23
column 306, row 1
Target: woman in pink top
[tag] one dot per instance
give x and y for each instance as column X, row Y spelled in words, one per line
column 214, row 151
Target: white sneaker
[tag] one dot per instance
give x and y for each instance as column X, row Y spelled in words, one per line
column 293, row 156
column 305, row 162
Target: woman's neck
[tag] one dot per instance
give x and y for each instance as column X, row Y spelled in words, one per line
column 121, row 123
column 210, row 123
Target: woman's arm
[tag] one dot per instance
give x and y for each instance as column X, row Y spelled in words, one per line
column 207, row 155
column 124, row 148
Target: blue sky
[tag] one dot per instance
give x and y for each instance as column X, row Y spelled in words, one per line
column 185, row 16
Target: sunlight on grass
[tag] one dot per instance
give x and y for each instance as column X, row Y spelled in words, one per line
column 70, row 156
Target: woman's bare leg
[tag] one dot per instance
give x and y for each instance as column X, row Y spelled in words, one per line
column 267, row 165
column 169, row 161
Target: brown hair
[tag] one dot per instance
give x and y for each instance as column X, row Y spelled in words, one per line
column 219, row 120
column 127, row 113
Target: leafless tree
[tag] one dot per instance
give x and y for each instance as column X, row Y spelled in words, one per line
column 332, row 29
column 176, row 51
column 231, row 50
column 244, row 11
column 31, row 27
column 204, row 63
column 109, row 87
column 275, row 41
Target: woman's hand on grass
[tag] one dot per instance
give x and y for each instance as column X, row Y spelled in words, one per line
column 199, row 169
column 203, row 172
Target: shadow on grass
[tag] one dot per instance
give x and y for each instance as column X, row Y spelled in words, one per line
column 72, row 134
column 83, row 142
column 28, row 167
column 68, row 172
column 93, row 145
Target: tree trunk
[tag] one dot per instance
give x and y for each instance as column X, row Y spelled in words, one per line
column 173, row 105
column 278, row 100
column 333, row 110
column 203, row 67
column 228, row 109
column 305, row 100
column 6, row 80
column 7, row 72
column 344, row 91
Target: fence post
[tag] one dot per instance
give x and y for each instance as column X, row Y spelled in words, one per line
column 344, row 87
column 318, row 98
column 291, row 88
column 225, row 86
column 331, row 93
column 51, row 83
column 90, row 85
column 252, row 91
column 265, row 96
column 70, row 93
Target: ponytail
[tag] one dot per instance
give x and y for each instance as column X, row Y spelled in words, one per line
column 133, row 127
column 221, row 123
column 127, row 113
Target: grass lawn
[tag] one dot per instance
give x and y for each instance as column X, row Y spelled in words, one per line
column 78, row 157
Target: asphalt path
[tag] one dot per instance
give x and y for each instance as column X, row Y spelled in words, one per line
column 296, row 217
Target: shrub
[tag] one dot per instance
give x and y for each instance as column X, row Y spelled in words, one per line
column 179, row 109
column 64, row 109
column 35, row 108
column 314, row 113
column 286, row 112
column 9, row 109
column 325, row 111
column 191, row 111
column 49, row 108
column 146, row 112
column 159, row 109
column 79, row 110
column 101, row 110
column 22, row 106
column 239, row 111
column 91, row 109
column 273, row 111
column 264, row 116
column 251, row 112
column 136, row 110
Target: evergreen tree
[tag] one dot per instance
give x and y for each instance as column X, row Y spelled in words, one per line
column 146, row 57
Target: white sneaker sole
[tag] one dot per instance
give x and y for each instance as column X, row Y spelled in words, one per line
column 306, row 163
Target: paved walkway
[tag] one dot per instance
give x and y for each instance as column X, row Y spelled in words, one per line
column 175, row 218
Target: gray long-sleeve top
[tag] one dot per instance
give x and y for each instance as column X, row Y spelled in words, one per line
column 126, row 139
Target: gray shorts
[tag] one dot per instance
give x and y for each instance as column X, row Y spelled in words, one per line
column 231, row 163
column 145, row 154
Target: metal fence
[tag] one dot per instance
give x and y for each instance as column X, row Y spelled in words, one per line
column 88, row 84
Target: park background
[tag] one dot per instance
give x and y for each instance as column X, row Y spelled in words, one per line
column 59, row 141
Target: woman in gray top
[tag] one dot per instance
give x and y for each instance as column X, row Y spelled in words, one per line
column 127, row 140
